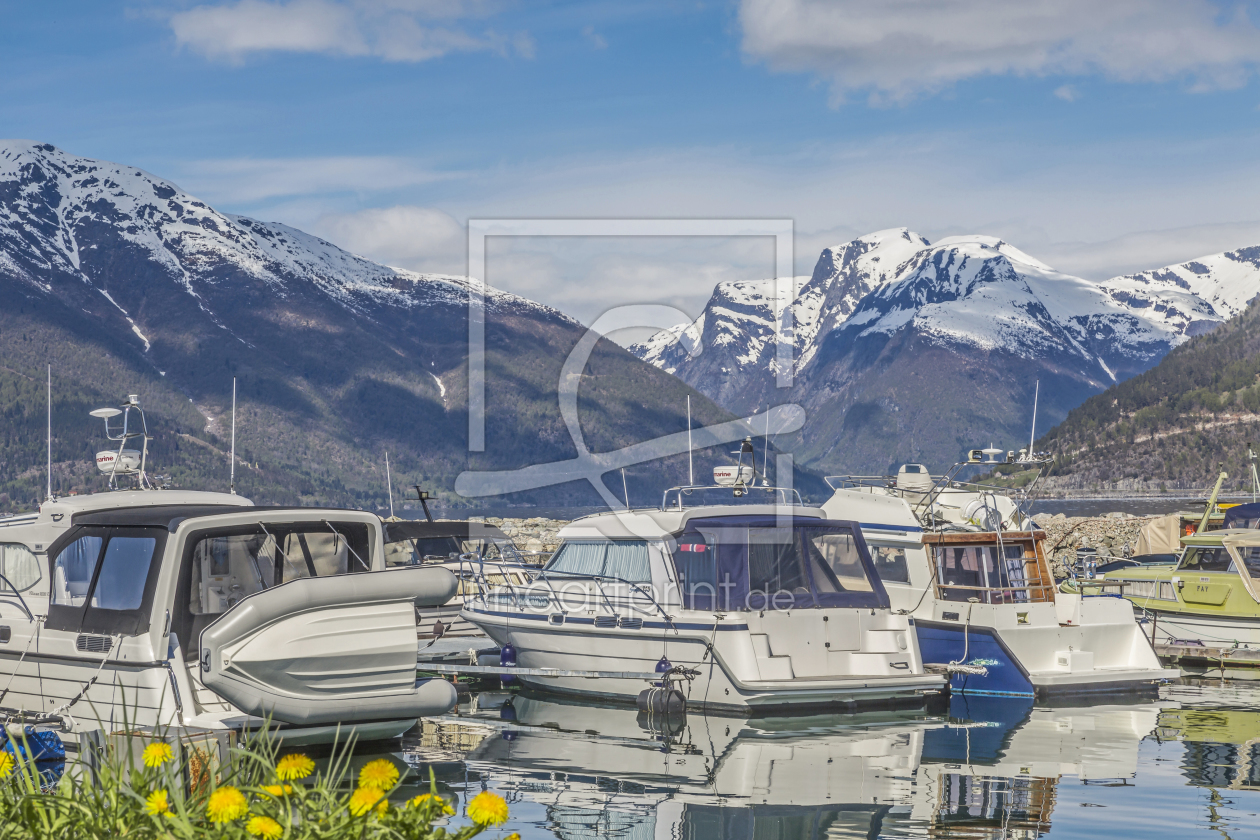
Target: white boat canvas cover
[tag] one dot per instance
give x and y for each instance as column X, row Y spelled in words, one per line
column 1160, row 536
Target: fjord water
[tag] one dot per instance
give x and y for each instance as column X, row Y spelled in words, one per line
column 1185, row 763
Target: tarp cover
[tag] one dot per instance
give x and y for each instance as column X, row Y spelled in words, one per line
column 1243, row 516
column 768, row 562
column 1160, row 536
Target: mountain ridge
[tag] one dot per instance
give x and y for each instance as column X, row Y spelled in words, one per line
column 973, row 312
column 127, row 284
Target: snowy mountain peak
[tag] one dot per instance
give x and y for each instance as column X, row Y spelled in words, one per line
column 55, row 204
column 972, row 294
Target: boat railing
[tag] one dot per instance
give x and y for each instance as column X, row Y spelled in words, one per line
column 612, row 602
column 677, row 498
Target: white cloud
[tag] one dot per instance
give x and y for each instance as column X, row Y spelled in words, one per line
column 417, row 238
column 1067, row 93
column 895, row 50
column 596, row 40
column 395, row 30
column 1148, row 249
column 246, row 180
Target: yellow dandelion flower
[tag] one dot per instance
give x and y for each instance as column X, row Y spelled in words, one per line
column 423, row 799
column 159, row 802
column 226, row 804
column 365, row 799
column 6, row 764
column 380, row 774
column 513, row 836
column 294, row 766
column 277, row 790
column 487, row 808
column 157, row 754
column 264, row 827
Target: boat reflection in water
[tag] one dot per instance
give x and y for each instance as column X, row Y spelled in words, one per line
column 989, row 767
column 1222, row 746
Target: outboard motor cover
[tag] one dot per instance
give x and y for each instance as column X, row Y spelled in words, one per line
column 338, row 649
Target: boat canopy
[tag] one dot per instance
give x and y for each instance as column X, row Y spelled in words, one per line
column 1243, row 516
column 779, row 563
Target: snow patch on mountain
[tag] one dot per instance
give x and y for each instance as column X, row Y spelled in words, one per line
column 47, row 196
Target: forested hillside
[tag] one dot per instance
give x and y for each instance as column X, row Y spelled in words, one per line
column 1171, row 426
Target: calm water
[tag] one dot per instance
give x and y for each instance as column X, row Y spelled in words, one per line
column 1185, row 764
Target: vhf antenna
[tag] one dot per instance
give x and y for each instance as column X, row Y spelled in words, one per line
column 232, row 480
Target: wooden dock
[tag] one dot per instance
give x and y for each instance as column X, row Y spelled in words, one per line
column 1198, row 660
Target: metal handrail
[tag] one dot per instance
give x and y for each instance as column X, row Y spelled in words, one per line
column 748, row 489
column 599, row 581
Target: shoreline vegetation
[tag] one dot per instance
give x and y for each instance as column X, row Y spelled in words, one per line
column 175, row 784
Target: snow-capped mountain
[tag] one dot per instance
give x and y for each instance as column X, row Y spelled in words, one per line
column 127, row 284
column 885, row 310
column 54, row 206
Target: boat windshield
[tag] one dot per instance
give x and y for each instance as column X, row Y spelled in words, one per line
column 414, row 551
column 1206, row 558
column 103, row 580
column 620, row 559
column 755, row 563
column 971, row 566
column 1216, row 558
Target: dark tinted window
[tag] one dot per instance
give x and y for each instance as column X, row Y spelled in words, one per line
column 1206, row 559
column 124, row 572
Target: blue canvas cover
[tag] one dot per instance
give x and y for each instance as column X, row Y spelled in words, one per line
column 1243, row 516
column 759, row 562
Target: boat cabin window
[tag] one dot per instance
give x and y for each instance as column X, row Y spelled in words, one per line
column 20, row 568
column 224, row 565
column 992, row 574
column 227, row 567
column 890, row 563
column 103, row 579
column 772, row 567
column 1206, row 558
column 621, row 559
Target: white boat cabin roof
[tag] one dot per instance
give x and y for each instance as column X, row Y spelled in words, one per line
column 654, row 523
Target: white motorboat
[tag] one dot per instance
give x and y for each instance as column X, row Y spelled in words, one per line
column 472, row 551
column 178, row 608
column 764, row 606
column 969, row 567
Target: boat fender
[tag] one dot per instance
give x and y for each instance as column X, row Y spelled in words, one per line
column 661, row 701
column 507, row 659
column 663, row 666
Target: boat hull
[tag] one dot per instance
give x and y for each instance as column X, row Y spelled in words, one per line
column 709, row 651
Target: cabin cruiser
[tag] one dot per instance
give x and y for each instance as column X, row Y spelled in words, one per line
column 1211, row 597
column 472, row 551
column 760, row 603
column 159, row 607
column 970, row 568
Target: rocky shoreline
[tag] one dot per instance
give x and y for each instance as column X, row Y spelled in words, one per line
column 1113, row 534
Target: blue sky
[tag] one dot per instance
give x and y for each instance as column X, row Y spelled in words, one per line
column 1098, row 138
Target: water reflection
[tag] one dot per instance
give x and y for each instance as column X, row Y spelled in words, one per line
column 984, row 768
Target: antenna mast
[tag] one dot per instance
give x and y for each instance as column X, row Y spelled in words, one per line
column 765, row 463
column 1032, row 436
column 389, row 484
column 232, row 485
column 50, row 495
column 691, row 465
